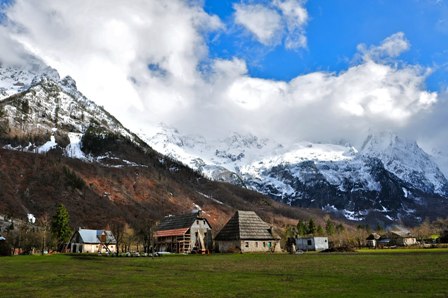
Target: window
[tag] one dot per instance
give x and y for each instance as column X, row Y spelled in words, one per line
column 310, row 242
column 246, row 244
column 197, row 222
column 256, row 244
column 264, row 244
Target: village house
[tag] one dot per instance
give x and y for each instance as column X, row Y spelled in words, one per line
column 372, row 240
column 247, row 232
column 401, row 238
column 92, row 241
column 187, row 233
column 311, row 243
column 392, row 238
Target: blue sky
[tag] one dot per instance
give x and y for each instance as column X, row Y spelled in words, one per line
column 335, row 29
column 319, row 70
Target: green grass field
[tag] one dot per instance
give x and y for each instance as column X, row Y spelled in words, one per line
column 389, row 273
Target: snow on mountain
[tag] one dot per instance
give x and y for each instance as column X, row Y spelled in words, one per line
column 406, row 160
column 441, row 159
column 389, row 176
column 35, row 101
column 380, row 178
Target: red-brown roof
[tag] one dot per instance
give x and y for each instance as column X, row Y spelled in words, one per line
column 174, row 232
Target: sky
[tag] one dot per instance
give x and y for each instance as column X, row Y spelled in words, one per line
column 318, row 70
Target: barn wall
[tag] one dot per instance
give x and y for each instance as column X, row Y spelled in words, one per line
column 201, row 227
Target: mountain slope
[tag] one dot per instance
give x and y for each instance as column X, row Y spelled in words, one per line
column 58, row 146
column 389, row 180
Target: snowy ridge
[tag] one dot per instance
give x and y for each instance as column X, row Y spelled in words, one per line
column 314, row 174
column 406, row 160
column 35, row 101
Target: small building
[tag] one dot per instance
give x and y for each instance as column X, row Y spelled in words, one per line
column 372, row 240
column 395, row 238
column 92, row 241
column 311, row 243
column 401, row 238
column 247, row 232
column 185, row 233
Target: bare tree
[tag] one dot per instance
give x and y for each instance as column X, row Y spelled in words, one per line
column 45, row 224
column 117, row 228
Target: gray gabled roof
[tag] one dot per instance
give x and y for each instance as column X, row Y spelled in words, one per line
column 94, row 236
column 179, row 221
column 245, row 225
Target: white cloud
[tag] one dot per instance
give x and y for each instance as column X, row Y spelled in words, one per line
column 274, row 22
column 391, row 47
column 143, row 60
column 107, row 46
column 296, row 18
column 264, row 23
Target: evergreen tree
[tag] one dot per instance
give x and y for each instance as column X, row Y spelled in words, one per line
column 60, row 227
column 302, row 228
column 329, row 228
column 311, row 227
column 320, row 230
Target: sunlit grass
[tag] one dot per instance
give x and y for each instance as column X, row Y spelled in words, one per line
column 392, row 273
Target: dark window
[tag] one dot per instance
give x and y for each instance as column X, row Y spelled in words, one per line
column 247, row 244
column 310, row 242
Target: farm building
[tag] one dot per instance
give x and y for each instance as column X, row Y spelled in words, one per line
column 247, row 232
column 372, row 240
column 92, row 241
column 184, row 234
column 401, row 238
column 311, row 243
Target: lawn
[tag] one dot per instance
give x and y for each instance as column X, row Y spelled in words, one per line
column 387, row 274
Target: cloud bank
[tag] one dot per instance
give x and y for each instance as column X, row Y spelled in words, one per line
column 148, row 62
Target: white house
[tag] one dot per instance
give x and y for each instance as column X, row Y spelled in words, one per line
column 92, row 241
column 311, row 243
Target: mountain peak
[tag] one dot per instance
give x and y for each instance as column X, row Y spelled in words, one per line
column 405, row 159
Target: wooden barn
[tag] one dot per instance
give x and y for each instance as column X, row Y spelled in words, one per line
column 247, row 232
column 92, row 241
column 187, row 233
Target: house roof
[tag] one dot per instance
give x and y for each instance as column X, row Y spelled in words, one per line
column 94, row 236
column 179, row 221
column 397, row 234
column 170, row 233
column 373, row 236
column 245, row 225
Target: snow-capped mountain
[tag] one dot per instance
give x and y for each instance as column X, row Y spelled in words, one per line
column 389, row 177
column 108, row 173
column 406, row 160
column 40, row 111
